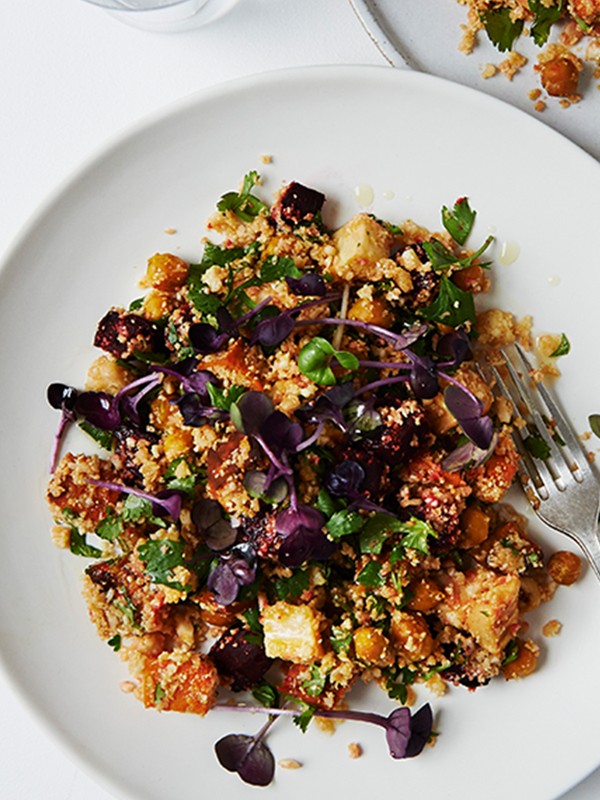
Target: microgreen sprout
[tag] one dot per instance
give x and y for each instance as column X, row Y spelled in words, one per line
column 169, row 501
column 406, row 736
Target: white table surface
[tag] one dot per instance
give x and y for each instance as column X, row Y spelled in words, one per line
column 71, row 79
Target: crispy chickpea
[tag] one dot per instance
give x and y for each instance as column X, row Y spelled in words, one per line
column 411, row 637
column 214, row 613
column 166, row 272
column 426, row 595
column 373, row 310
column 470, row 279
column 559, row 77
column 475, row 527
column 178, row 443
column 524, row 663
column 157, row 305
column 372, row 647
column 564, row 567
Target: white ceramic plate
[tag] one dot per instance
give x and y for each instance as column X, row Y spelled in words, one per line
column 425, row 34
column 417, row 142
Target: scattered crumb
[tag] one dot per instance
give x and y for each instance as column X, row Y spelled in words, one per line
column 585, row 436
column 437, row 685
column 127, row 687
column 512, row 64
column 535, row 94
column 326, row 725
column 170, row 231
column 266, row 159
column 540, row 106
column 552, row 628
column 354, row 750
column 489, row 71
column 289, row 763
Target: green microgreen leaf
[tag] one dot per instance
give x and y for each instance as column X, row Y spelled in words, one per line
column 266, row 694
column 225, row 398
column 316, row 356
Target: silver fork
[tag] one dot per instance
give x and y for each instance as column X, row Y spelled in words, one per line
column 558, row 480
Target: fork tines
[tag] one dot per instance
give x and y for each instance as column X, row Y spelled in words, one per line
column 549, row 448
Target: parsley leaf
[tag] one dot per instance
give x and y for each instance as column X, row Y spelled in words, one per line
column 452, row 306
column 79, row 546
column 537, row 446
column 160, row 557
column 244, row 204
column 545, row 17
column 288, row 588
column 370, row 575
column 315, row 685
column 500, row 28
column 343, row 523
column 459, row 221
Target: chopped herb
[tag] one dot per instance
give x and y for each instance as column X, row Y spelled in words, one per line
column 594, row 422
column 266, row 694
column 452, row 306
column 501, row 29
column 537, row 446
column 79, row 546
column 511, row 652
column 563, row 347
column 545, row 17
column 225, row 398
column 288, row 588
column 109, row 528
column 340, row 640
column 459, row 221
column 115, row 642
column 343, row 523
column 244, row 204
column 160, row 557
column 370, row 575
column 159, row 694
column 104, row 438
column 315, row 685
column 304, row 718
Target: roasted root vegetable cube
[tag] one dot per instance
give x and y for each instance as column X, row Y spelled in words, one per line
column 177, row 681
column 292, row 633
column 484, row 604
column 360, row 243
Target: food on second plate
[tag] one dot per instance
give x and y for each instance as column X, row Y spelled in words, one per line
column 302, row 472
column 567, row 33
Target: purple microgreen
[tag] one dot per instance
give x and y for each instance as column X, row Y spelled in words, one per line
column 311, row 284
column 467, row 410
column 328, row 406
column 250, row 412
column 468, row 456
column 99, row 409
column 211, row 524
column 63, row 398
column 195, row 382
column 258, row 484
column 310, row 440
column 272, row 331
column 362, row 417
column 301, row 529
column 249, row 756
column 205, row 339
column 280, row 434
column 195, row 413
column 424, row 378
column 454, row 347
column 169, row 501
column 406, row 733
column 398, row 341
column 232, row 571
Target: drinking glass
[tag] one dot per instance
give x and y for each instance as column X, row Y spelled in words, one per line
column 165, row 15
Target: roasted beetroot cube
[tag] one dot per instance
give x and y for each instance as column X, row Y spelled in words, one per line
column 121, row 334
column 299, row 204
column 244, row 662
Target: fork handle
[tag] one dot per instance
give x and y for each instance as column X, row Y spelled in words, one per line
column 590, row 544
